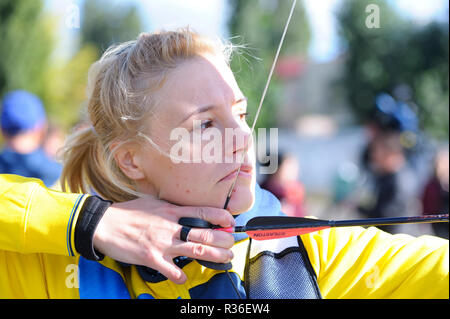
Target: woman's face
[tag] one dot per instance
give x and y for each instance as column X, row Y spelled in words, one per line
column 202, row 100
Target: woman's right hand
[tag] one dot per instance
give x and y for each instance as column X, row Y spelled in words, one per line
column 145, row 231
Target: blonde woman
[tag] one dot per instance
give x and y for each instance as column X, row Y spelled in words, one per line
column 140, row 93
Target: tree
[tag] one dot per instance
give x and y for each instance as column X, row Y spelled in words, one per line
column 258, row 25
column 29, row 38
column 27, row 62
column 27, row 41
column 65, row 86
column 396, row 54
column 104, row 24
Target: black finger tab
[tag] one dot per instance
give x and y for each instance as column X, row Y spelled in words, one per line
column 194, row 222
column 200, row 223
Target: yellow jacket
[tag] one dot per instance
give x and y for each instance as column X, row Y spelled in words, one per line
column 38, row 259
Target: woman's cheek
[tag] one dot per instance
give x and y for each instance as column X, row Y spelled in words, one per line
column 189, row 182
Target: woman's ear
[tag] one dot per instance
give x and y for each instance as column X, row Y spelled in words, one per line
column 127, row 160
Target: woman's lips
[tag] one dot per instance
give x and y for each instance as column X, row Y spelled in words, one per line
column 246, row 171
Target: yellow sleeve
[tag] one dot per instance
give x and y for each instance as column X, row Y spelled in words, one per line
column 35, row 219
column 354, row 262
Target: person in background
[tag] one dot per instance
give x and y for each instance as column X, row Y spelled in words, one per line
column 54, row 140
column 395, row 185
column 392, row 116
column 24, row 125
column 284, row 184
column 435, row 194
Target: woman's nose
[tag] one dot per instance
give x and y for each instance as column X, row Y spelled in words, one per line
column 236, row 141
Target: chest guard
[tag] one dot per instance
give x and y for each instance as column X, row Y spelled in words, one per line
column 280, row 269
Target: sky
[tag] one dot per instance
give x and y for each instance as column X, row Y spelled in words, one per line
column 210, row 17
column 205, row 16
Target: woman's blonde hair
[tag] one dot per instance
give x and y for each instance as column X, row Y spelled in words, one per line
column 122, row 87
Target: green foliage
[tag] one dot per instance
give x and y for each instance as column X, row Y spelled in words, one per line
column 65, row 86
column 398, row 53
column 258, row 26
column 27, row 60
column 27, row 41
column 105, row 23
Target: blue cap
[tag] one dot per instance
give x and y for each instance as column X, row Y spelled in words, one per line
column 396, row 115
column 21, row 111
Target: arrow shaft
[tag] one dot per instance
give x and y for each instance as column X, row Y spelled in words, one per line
column 390, row 221
column 306, row 225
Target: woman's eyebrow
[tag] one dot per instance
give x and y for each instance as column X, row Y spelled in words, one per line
column 207, row 108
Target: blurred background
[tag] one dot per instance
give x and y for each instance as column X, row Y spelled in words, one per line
column 360, row 95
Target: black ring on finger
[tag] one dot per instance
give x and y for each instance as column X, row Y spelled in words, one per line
column 184, row 233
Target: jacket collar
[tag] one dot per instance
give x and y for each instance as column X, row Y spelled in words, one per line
column 266, row 204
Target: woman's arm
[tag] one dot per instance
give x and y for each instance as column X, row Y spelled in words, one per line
column 144, row 231
column 35, row 219
column 355, row 262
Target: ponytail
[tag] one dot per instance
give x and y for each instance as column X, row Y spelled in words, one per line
column 88, row 168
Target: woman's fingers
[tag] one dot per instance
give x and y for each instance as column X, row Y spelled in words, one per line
column 146, row 232
column 205, row 243
column 203, row 252
column 171, row 271
column 211, row 237
column 215, row 216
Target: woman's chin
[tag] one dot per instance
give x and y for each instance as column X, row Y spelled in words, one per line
column 242, row 200
column 242, row 197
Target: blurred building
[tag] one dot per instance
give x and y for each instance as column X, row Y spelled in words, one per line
column 310, row 90
column 314, row 120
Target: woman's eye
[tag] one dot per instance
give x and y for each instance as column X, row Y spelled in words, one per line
column 209, row 123
column 205, row 125
column 243, row 116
